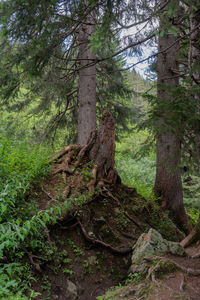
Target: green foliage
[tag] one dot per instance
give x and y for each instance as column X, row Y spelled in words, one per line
column 191, row 190
column 134, row 277
column 20, row 164
column 14, row 278
column 194, row 214
column 137, row 173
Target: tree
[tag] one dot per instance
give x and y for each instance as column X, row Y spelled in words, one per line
column 168, row 184
column 194, row 64
column 44, row 57
column 87, row 83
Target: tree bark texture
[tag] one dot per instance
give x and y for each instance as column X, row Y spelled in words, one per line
column 194, row 63
column 86, row 84
column 168, row 184
column 99, row 152
column 103, row 148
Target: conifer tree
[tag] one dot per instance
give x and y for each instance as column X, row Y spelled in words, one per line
column 46, row 59
column 168, row 183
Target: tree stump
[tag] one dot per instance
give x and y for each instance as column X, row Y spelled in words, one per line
column 99, row 151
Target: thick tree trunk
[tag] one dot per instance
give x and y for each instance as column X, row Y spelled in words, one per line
column 87, row 84
column 168, row 184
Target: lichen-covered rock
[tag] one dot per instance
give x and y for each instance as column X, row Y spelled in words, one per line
column 152, row 244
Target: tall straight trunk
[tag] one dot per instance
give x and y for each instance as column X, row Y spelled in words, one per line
column 86, row 84
column 194, row 64
column 168, row 184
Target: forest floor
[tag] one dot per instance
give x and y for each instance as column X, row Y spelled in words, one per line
column 88, row 250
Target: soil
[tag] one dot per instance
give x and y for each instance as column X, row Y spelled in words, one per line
column 91, row 245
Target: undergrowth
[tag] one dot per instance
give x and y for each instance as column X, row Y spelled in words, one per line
column 135, row 168
column 21, row 164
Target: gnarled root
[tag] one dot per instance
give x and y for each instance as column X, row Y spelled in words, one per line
column 102, row 244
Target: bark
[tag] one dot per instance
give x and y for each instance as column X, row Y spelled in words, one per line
column 168, row 184
column 103, row 148
column 194, row 56
column 87, row 84
column 100, row 150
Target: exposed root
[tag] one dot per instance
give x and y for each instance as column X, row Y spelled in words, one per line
column 64, row 151
column 191, row 236
column 102, row 244
column 131, row 218
column 86, row 148
column 35, row 265
column 152, row 270
column 67, row 161
column 48, row 194
column 190, row 271
column 196, row 255
column 66, row 191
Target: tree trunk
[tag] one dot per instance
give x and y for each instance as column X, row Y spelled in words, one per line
column 194, row 65
column 168, row 184
column 87, row 84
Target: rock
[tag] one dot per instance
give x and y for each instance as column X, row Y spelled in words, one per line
column 72, row 291
column 117, row 211
column 152, row 244
column 91, row 260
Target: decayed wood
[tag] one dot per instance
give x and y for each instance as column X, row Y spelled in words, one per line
column 103, row 148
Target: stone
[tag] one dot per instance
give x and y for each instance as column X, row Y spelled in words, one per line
column 91, row 259
column 72, row 291
column 152, row 244
column 117, row 211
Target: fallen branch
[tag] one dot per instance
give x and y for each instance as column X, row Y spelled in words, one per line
column 100, row 243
